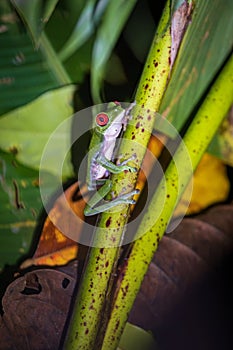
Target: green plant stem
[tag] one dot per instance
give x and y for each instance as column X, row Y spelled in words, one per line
column 93, row 292
column 196, row 140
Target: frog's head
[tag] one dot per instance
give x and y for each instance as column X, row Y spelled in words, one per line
column 113, row 115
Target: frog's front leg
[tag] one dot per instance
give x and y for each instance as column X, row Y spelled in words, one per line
column 92, row 209
column 115, row 168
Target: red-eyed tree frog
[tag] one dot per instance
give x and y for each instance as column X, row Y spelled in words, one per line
column 107, row 127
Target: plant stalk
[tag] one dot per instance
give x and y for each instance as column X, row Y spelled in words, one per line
column 90, row 301
column 195, row 142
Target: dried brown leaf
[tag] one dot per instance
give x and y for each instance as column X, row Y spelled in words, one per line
column 35, row 309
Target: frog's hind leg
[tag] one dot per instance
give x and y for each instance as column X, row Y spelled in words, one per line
column 126, row 198
column 96, row 198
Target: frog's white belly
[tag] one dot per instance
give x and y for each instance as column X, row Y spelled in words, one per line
column 99, row 170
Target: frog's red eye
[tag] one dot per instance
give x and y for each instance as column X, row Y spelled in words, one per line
column 102, row 119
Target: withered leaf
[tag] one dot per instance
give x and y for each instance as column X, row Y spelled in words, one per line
column 35, row 309
column 184, row 300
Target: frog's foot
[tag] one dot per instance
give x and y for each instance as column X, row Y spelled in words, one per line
column 124, row 165
column 122, row 199
column 127, row 197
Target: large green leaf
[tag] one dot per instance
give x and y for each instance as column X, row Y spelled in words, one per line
column 25, row 72
column 206, row 44
column 20, row 207
column 26, row 130
column 35, row 13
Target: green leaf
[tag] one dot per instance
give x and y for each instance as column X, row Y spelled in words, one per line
column 206, row 45
column 136, row 338
column 26, row 130
column 25, row 73
column 113, row 21
column 84, row 27
column 20, row 207
column 222, row 144
column 35, row 14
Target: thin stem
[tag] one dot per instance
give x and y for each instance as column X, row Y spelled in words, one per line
column 93, row 291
